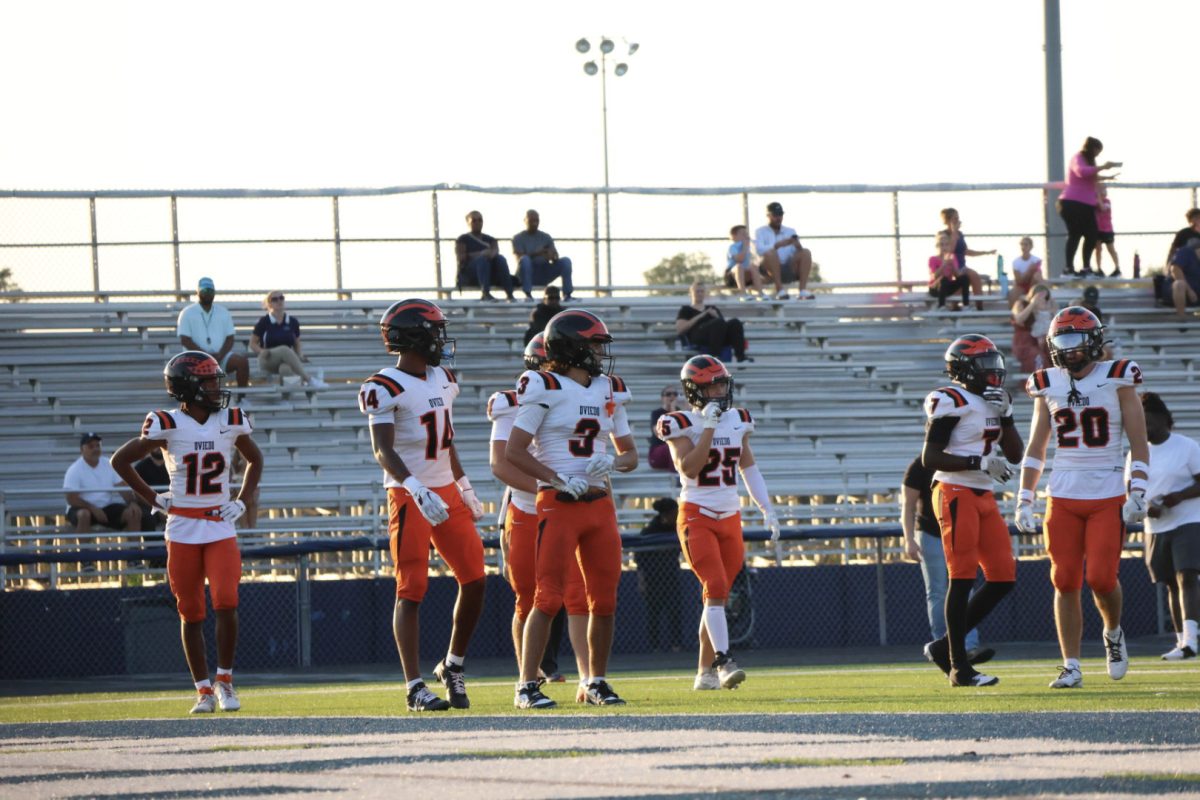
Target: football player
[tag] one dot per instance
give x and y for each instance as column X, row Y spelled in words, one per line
column 198, row 440
column 1088, row 402
column 518, row 540
column 710, row 445
column 568, row 412
column 965, row 424
column 430, row 498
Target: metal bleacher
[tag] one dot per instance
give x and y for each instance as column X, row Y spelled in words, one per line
column 836, row 387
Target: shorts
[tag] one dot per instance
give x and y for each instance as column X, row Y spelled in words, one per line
column 1104, row 237
column 1172, row 552
column 584, row 530
column 456, row 540
column 113, row 512
column 520, row 566
column 189, row 564
column 1084, row 535
column 713, row 548
column 973, row 533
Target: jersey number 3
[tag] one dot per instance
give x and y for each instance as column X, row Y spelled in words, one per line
column 587, row 429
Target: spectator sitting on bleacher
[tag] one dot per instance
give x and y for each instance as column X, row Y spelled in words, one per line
column 538, row 261
column 945, row 278
column 551, row 304
column 659, row 455
column 153, row 470
column 1031, row 317
column 276, row 340
column 958, row 243
column 781, row 256
column 479, row 260
column 1026, row 270
column 93, row 497
column 739, row 265
column 705, row 328
column 208, row 326
column 1192, row 231
column 1091, row 301
column 1185, row 276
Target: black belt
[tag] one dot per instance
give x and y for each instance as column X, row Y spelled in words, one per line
column 587, row 497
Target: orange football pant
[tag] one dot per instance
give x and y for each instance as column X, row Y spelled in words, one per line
column 973, row 533
column 457, row 541
column 521, row 566
column 189, row 564
column 713, row 548
column 577, row 530
column 1084, row 531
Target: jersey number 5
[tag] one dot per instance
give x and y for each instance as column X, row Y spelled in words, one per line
column 587, row 429
column 726, row 463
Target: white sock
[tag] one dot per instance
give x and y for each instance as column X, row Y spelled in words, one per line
column 1071, row 663
column 718, row 628
column 583, row 682
column 453, row 659
column 1114, row 634
column 595, row 680
column 414, row 683
column 1190, row 630
column 221, row 672
column 204, row 684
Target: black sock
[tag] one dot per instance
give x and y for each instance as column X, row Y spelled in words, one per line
column 957, row 598
column 986, row 599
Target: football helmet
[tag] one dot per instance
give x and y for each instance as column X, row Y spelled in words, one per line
column 535, row 352
column 974, row 362
column 1075, row 338
column 194, row 377
column 701, row 372
column 418, row 326
column 571, row 337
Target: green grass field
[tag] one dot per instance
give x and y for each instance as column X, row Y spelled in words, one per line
column 895, row 688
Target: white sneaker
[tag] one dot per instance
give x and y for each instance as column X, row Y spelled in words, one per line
column 1068, row 678
column 728, row 671
column 805, row 294
column 1179, row 653
column 227, row 697
column 206, row 702
column 706, row 680
column 1117, row 656
column 783, row 295
column 317, row 383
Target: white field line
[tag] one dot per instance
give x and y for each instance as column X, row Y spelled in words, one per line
column 1025, row 671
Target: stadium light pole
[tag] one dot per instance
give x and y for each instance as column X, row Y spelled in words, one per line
column 606, row 47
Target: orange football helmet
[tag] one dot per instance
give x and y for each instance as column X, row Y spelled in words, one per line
column 419, row 326
column 974, row 362
column 195, row 377
column 701, row 372
column 572, row 338
column 535, row 352
column 1075, row 338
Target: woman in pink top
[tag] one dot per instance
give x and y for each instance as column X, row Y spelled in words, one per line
column 1077, row 203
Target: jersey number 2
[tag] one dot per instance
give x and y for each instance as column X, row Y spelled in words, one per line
column 1092, row 424
column 725, row 461
column 204, row 482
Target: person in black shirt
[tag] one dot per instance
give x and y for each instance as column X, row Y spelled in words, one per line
column 658, row 577
column 479, row 260
column 1192, row 231
column 153, row 470
column 705, row 328
column 551, row 304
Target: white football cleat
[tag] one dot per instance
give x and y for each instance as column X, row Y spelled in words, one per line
column 727, row 671
column 706, row 681
column 1117, row 656
column 227, row 697
column 1068, row 678
column 206, row 701
column 1179, row 653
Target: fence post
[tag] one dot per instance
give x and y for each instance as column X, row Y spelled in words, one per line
column 95, row 247
column 896, row 238
column 337, row 249
column 3, row 539
column 596, row 239
column 303, row 613
column 1159, row 595
column 375, row 556
column 880, row 594
column 746, row 210
column 437, row 246
column 175, row 248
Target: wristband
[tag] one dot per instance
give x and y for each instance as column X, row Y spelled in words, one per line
column 974, row 462
column 1030, row 462
column 1139, row 466
column 1137, row 485
column 1007, row 422
column 412, row 484
column 464, row 484
column 1026, row 496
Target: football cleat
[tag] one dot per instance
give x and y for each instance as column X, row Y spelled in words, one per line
column 1116, row 655
column 451, row 676
column 529, row 696
column 973, row 678
column 1179, row 653
column 601, row 694
column 728, row 671
column 1068, row 678
column 227, row 696
column 206, row 701
column 980, row 655
column 421, row 699
column 938, row 652
column 706, row 681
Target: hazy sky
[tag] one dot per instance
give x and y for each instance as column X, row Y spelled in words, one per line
column 298, row 94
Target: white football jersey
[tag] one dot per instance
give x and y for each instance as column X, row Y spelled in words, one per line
column 421, row 410
column 502, row 411
column 198, row 458
column 1087, row 427
column 716, row 487
column 569, row 422
column 977, row 431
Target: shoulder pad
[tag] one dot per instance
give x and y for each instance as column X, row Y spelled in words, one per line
column 744, row 415
column 549, row 380
column 1037, row 382
column 500, row 402
column 235, row 416
column 671, row 425
column 450, row 375
column 388, row 383
column 1126, row 372
column 157, row 422
column 944, row 402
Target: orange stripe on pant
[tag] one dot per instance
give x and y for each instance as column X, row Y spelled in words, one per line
column 713, row 548
column 457, row 541
column 973, row 533
column 1079, row 531
column 521, row 566
column 582, row 531
column 189, row 564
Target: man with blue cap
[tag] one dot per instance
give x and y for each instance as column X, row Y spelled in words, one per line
column 208, row 326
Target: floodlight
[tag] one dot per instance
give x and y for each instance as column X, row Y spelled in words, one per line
column 583, row 45
column 633, row 48
column 606, row 46
column 621, row 69
column 590, row 68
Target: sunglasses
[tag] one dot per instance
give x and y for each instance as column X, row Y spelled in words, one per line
column 276, row 298
column 670, row 394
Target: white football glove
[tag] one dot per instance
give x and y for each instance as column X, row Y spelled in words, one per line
column 1134, row 510
column 162, row 504
column 998, row 468
column 771, row 521
column 573, row 485
column 600, row 466
column 998, row 398
column 432, row 508
column 232, row 511
column 472, row 502
column 711, row 415
column 1024, row 518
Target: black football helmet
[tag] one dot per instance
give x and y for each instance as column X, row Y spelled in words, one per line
column 535, row 352
column 974, row 362
column 1075, row 338
column 570, row 336
column 700, row 372
column 418, row 326
column 194, row 377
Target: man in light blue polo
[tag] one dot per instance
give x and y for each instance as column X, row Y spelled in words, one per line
column 208, row 326
column 538, row 262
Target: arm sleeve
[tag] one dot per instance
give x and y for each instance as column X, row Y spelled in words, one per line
column 621, row 423
column 757, row 487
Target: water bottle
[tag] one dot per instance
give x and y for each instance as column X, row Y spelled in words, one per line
column 1137, row 265
column 1001, row 275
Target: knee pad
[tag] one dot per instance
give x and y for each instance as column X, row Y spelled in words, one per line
column 191, row 608
column 603, row 606
column 548, row 602
column 411, row 584
column 224, row 599
column 716, row 590
column 522, row 606
column 1104, row 582
column 1066, row 579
